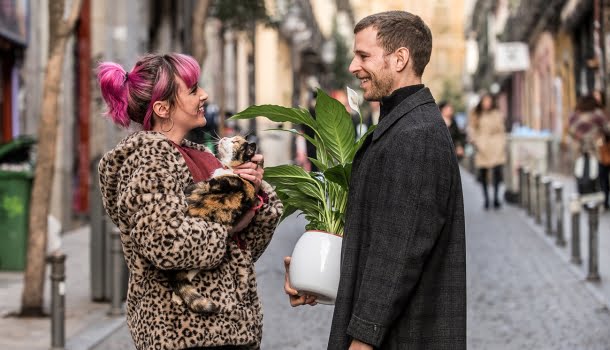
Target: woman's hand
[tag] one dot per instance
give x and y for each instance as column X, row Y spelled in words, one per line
column 252, row 171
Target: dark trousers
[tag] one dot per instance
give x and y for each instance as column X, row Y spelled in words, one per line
column 496, row 173
column 604, row 171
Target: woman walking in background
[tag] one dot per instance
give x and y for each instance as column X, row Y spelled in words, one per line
column 590, row 127
column 488, row 135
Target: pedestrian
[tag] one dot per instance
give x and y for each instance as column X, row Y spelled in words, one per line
column 488, row 136
column 589, row 127
column 458, row 137
column 142, row 181
column 403, row 266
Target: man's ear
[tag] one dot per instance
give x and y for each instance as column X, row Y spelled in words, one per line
column 161, row 108
column 402, row 58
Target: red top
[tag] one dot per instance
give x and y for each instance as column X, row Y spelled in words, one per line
column 201, row 164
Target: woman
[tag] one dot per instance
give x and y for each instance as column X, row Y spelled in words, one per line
column 487, row 133
column 457, row 136
column 142, row 181
column 590, row 127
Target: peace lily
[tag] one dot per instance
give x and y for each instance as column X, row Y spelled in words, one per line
column 321, row 196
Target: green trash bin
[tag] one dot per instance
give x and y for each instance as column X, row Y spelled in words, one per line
column 16, row 177
column 15, row 190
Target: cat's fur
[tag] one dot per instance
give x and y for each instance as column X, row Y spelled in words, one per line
column 224, row 198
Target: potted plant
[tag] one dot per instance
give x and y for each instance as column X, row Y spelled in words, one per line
column 321, row 196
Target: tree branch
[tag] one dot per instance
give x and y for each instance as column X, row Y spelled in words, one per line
column 70, row 22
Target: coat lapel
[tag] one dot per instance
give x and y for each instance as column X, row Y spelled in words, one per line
column 419, row 98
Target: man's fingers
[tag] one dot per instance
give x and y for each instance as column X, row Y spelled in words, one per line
column 293, row 293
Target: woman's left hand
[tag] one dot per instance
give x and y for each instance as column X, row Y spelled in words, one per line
column 252, row 171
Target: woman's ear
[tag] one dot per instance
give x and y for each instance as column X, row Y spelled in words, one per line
column 161, row 108
column 402, row 58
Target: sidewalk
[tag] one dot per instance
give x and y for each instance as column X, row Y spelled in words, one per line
column 87, row 322
column 601, row 289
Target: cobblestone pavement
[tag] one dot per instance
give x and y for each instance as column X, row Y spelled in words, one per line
column 521, row 295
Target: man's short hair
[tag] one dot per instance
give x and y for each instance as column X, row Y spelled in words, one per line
column 397, row 29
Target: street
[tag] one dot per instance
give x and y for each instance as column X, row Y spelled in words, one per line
column 521, row 294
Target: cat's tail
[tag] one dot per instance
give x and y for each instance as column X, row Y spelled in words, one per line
column 187, row 294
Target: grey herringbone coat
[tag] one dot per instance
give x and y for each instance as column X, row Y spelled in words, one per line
column 403, row 272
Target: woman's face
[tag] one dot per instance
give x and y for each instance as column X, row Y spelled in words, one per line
column 188, row 113
column 447, row 111
column 486, row 103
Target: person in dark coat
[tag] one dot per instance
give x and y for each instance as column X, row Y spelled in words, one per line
column 403, row 267
column 457, row 136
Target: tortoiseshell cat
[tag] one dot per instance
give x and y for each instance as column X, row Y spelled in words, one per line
column 223, row 199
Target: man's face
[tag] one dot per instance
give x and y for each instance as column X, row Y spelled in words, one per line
column 371, row 66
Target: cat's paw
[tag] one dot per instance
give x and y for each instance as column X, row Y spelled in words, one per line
column 204, row 306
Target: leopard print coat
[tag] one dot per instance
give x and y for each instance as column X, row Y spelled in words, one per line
column 142, row 181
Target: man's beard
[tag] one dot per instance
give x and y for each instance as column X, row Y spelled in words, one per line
column 381, row 86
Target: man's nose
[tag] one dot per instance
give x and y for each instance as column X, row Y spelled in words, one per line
column 354, row 66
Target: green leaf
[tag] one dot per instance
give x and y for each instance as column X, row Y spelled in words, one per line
column 361, row 141
column 287, row 174
column 340, row 175
column 335, row 127
column 278, row 114
column 288, row 210
column 318, row 164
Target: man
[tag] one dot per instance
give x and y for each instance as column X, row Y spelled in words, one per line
column 403, row 268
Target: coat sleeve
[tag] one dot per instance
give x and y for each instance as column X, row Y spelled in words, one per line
column 260, row 231
column 408, row 213
column 161, row 228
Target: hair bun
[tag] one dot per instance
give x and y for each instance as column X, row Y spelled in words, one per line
column 113, row 84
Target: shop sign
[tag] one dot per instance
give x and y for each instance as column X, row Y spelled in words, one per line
column 511, row 57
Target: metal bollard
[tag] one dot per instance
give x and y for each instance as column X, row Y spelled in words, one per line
column 58, row 300
column 593, row 211
column 521, row 187
column 116, row 303
column 575, row 218
column 548, row 205
column 537, row 200
column 527, row 196
column 558, row 186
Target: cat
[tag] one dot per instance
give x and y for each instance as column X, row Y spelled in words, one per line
column 222, row 199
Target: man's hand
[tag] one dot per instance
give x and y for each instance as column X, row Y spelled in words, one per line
column 358, row 345
column 293, row 294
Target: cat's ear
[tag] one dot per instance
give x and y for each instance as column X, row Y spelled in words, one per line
column 251, row 149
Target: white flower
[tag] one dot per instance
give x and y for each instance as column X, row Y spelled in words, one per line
column 353, row 99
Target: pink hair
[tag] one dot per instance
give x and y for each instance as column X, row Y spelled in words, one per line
column 130, row 96
column 114, row 91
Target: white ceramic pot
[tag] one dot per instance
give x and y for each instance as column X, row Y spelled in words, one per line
column 315, row 265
